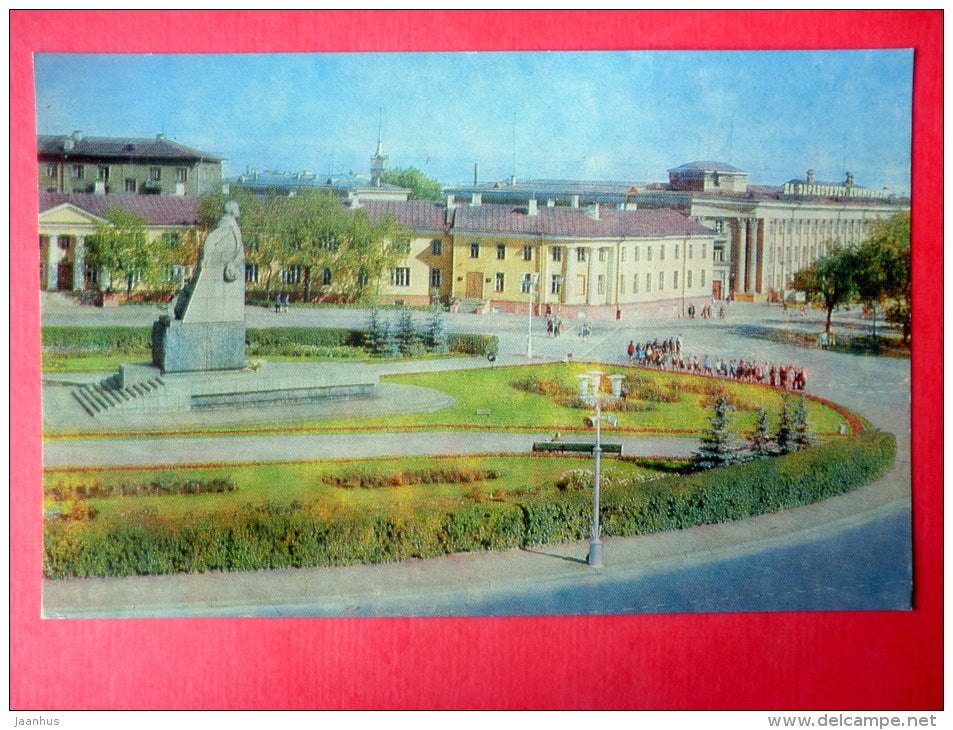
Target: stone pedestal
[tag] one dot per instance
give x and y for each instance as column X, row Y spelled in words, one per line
column 181, row 347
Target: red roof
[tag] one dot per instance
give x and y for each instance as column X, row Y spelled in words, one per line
column 159, row 210
column 561, row 221
column 419, row 215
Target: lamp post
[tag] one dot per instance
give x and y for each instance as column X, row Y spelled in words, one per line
column 595, row 543
column 533, row 281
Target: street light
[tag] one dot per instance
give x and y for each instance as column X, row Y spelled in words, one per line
column 532, row 282
column 595, row 543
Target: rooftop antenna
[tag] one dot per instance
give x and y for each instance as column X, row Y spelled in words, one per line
column 731, row 138
column 380, row 128
column 513, row 167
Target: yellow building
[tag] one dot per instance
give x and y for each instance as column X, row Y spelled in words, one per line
column 597, row 262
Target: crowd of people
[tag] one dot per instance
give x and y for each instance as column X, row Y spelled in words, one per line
column 667, row 355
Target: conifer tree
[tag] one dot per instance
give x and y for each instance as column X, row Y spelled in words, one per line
column 784, row 436
column 407, row 336
column 800, row 436
column 718, row 447
column 376, row 332
column 435, row 336
column 760, row 442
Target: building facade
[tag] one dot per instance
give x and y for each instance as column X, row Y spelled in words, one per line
column 122, row 166
column 67, row 223
column 765, row 233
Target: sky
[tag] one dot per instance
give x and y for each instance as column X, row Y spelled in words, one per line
column 628, row 116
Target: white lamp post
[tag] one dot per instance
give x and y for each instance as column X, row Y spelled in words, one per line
column 595, row 543
column 533, row 281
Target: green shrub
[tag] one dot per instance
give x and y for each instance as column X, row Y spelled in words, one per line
column 470, row 344
column 99, row 339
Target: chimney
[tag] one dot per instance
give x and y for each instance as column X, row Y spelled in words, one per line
column 476, row 173
column 593, row 211
column 850, row 179
column 99, row 187
column 532, row 207
column 575, row 201
column 810, row 177
column 550, row 202
column 451, row 201
column 78, row 135
column 160, row 137
column 68, row 144
column 476, row 199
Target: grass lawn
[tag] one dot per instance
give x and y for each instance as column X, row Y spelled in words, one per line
column 486, row 399
column 302, row 482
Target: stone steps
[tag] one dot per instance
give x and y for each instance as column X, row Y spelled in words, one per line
column 99, row 397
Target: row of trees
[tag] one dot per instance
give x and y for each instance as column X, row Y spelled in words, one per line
column 719, row 446
column 325, row 248
column 877, row 273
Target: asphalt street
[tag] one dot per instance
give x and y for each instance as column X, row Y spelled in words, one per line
column 815, row 557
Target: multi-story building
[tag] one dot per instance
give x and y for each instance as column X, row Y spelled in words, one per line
column 347, row 186
column 766, row 233
column 110, row 165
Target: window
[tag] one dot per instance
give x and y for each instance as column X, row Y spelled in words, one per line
column 79, row 172
column 103, row 172
column 635, row 283
column 436, row 247
column 555, row 284
column 648, row 282
column 635, row 253
column 436, row 278
column 51, row 170
column 400, row 276
column 689, row 275
column 601, row 284
column 621, row 285
column 155, row 174
column 474, row 250
column 130, row 186
column 701, row 279
column 675, row 279
column 648, row 253
column 661, row 253
column 580, row 254
column 676, row 252
column 703, row 250
column 362, row 277
column 622, row 254
column 181, row 174
column 500, row 281
column 691, row 251
column 501, row 250
column 527, row 253
column 325, row 277
column 602, row 254
column 329, row 242
column 526, row 283
column 171, row 238
column 251, row 273
column 401, row 246
column 291, row 274
column 557, row 253
column 661, row 280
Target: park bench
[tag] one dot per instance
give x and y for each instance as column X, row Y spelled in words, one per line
column 574, row 447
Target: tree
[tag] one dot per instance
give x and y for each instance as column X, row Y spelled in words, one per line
column 421, row 187
column 407, row 337
column 122, row 246
column 801, row 436
column 435, row 334
column 891, row 238
column 830, row 280
column 784, row 436
column 760, row 442
column 718, row 447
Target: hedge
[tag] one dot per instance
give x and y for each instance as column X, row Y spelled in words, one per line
column 265, row 340
column 269, row 535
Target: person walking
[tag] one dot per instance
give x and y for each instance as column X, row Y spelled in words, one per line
column 631, row 350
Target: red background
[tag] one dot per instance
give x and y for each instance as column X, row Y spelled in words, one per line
column 779, row 661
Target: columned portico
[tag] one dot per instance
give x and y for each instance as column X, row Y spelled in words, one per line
column 741, row 246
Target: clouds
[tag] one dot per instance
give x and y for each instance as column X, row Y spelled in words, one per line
column 615, row 115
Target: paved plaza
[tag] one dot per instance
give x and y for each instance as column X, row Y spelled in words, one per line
column 791, row 551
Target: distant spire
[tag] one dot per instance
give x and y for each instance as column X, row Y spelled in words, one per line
column 379, row 159
column 380, row 137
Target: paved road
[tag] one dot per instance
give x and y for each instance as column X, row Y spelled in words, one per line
column 797, row 558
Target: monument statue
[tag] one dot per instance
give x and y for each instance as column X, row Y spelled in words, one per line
column 216, row 292
column 207, row 329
